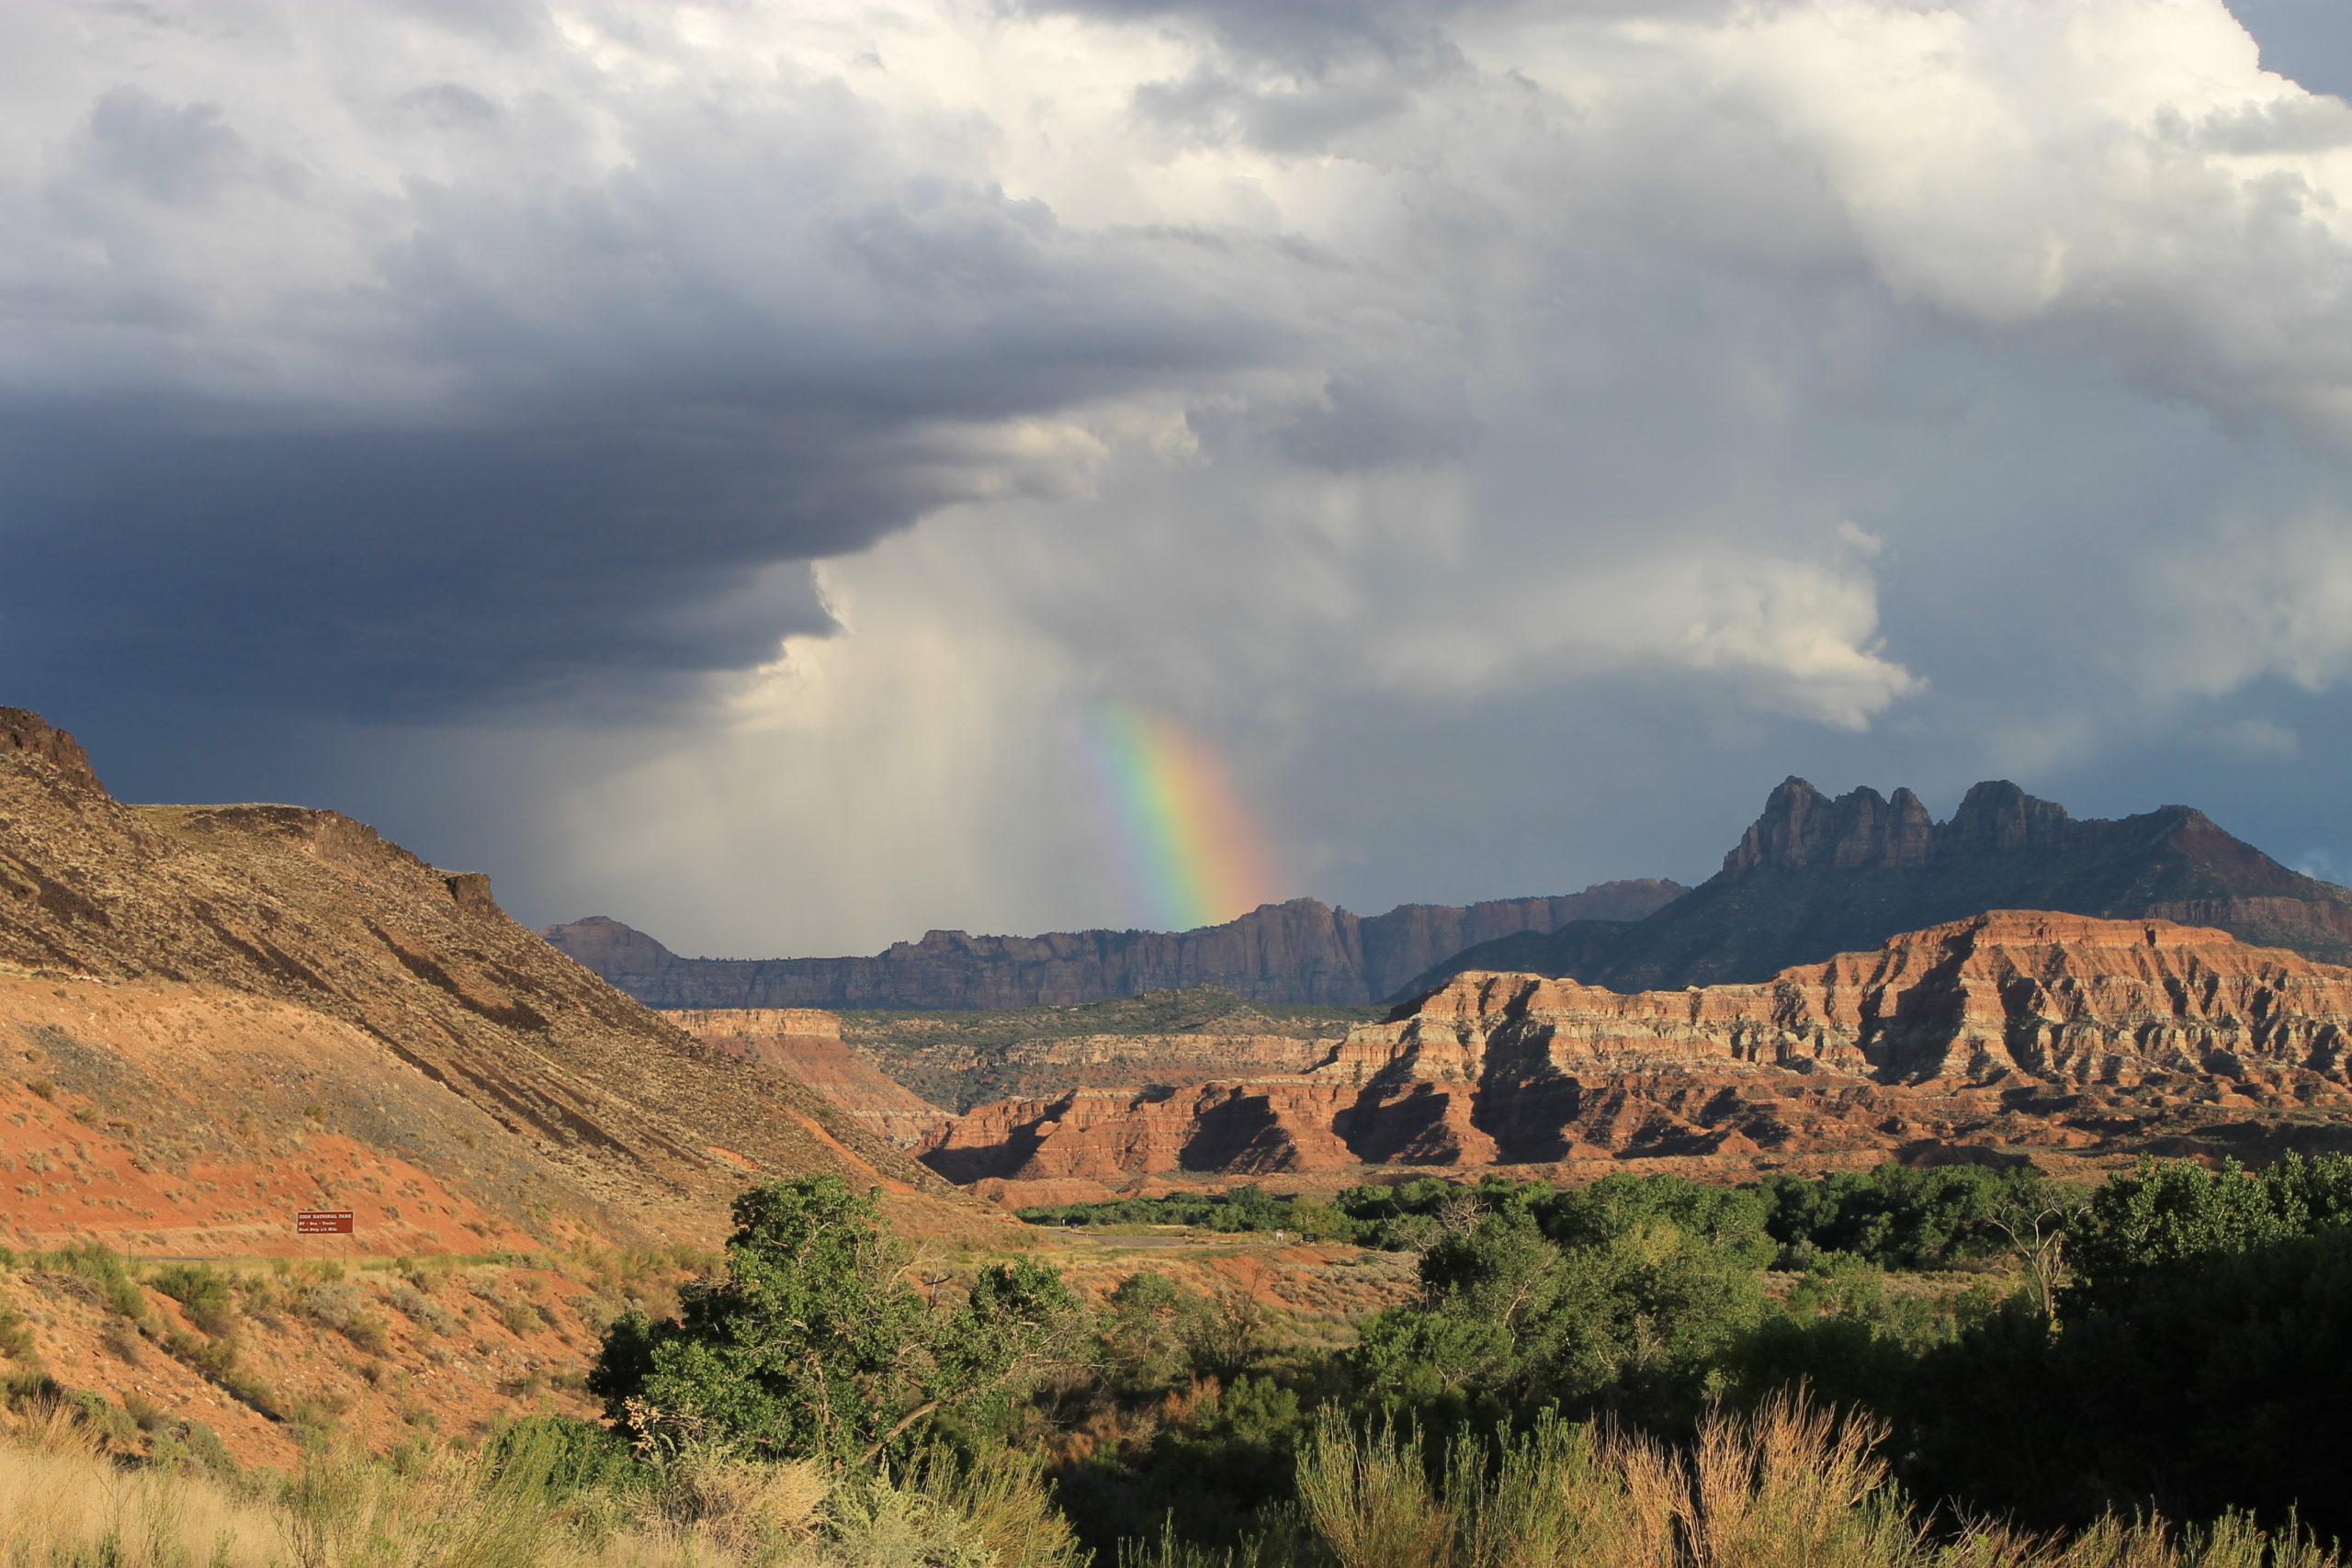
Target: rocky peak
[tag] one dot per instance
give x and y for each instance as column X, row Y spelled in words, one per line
column 1801, row 827
column 1997, row 818
column 1863, row 830
column 26, row 733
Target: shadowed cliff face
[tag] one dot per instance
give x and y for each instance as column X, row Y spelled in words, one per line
column 1813, row 877
column 1302, row 953
column 2020, row 1029
column 226, row 984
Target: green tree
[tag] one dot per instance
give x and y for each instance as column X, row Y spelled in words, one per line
column 2172, row 1213
column 1895, row 1216
column 811, row 1345
column 2224, row 1382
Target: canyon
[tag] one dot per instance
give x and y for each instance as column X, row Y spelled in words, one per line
column 212, row 1016
column 1302, row 951
column 1998, row 1036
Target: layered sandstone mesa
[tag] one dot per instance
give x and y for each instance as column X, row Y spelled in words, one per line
column 212, row 1016
column 806, row 1042
column 1173, row 1038
column 2007, row 1027
column 1815, row 876
column 1302, row 951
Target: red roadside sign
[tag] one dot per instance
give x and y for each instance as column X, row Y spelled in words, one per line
column 323, row 1222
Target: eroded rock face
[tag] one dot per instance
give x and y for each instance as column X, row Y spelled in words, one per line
column 806, row 1042
column 1301, row 952
column 2009, row 1027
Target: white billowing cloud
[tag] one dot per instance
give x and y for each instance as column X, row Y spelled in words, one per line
column 1448, row 410
column 2257, row 598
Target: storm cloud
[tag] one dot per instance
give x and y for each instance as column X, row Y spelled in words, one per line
column 395, row 393
column 707, row 464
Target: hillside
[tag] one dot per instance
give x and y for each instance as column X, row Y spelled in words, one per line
column 1815, row 876
column 215, row 1015
column 806, row 1044
column 2009, row 1033
column 1299, row 952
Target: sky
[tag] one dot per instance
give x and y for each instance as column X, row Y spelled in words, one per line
column 743, row 467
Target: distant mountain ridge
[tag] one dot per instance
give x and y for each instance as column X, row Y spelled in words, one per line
column 1815, row 876
column 1303, row 952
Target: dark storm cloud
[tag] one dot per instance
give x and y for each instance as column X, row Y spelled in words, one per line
column 540, row 415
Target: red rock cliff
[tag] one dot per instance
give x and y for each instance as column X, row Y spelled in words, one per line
column 2027, row 1024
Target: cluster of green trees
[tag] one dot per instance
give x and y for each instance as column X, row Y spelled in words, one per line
column 1893, row 1216
column 2178, row 1339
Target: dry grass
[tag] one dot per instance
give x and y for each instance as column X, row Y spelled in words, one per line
column 1791, row 1486
column 1788, row 1487
column 63, row 1503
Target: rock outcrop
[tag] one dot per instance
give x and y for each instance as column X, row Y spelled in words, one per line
column 250, row 1009
column 2009, row 1028
column 806, row 1044
column 1302, row 951
column 1813, row 877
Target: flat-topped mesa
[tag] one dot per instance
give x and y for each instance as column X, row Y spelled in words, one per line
column 1933, row 1034
column 2060, row 997
column 1302, row 951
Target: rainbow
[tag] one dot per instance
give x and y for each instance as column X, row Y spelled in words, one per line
column 1190, row 846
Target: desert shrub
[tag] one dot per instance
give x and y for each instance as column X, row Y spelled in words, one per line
column 188, row 1445
column 1788, row 1486
column 423, row 1308
column 344, row 1308
column 568, row 1456
column 1005, row 1503
column 103, row 1270
column 522, row 1318
column 107, row 1423
column 204, row 1293
column 751, row 1511
column 15, row 1334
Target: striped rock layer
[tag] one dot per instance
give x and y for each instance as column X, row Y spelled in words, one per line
column 2009, row 1027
